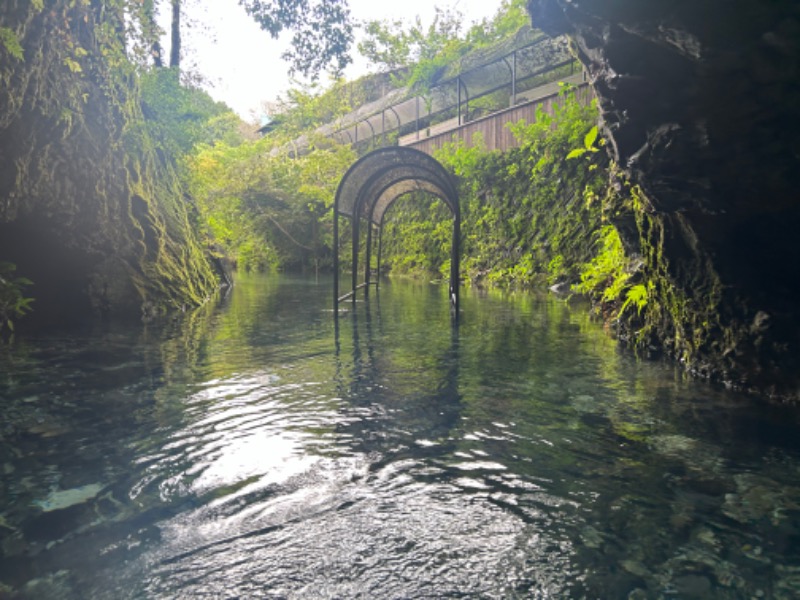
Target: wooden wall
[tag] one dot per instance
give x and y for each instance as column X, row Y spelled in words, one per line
column 496, row 134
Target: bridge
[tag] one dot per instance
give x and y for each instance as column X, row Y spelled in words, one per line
column 492, row 128
column 492, row 88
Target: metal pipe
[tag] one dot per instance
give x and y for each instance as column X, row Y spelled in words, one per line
column 351, row 294
column 335, row 261
column 458, row 85
column 514, row 78
column 380, row 253
column 355, row 252
column 454, row 264
column 417, row 119
column 372, row 129
column 368, row 260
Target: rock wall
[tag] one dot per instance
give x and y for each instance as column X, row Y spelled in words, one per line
column 700, row 101
column 90, row 210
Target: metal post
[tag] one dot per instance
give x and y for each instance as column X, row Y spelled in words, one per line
column 514, row 78
column 454, row 264
column 355, row 253
column 417, row 121
column 380, row 253
column 335, row 261
column 372, row 129
column 458, row 84
column 368, row 259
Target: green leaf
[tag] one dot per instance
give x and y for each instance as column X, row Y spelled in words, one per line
column 590, row 139
column 576, row 153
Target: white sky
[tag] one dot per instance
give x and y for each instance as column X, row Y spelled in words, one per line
column 243, row 63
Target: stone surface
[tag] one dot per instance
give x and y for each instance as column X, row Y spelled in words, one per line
column 700, row 104
column 90, row 209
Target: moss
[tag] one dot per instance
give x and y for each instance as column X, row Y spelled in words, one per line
column 530, row 215
column 79, row 165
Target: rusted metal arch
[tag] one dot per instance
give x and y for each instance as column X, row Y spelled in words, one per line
column 370, row 186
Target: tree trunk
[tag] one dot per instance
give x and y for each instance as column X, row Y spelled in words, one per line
column 152, row 32
column 175, row 50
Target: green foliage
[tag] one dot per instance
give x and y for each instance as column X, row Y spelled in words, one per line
column 637, row 296
column 509, row 18
column 527, row 214
column 13, row 303
column 588, row 145
column 385, row 45
column 306, row 107
column 179, row 116
column 417, row 237
column 10, row 42
column 555, row 269
column 322, row 32
column 425, row 51
column 606, row 274
column 266, row 209
column 96, row 170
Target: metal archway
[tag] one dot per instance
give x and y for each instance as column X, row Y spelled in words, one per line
column 369, row 188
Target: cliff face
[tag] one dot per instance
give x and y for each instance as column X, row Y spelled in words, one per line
column 89, row 209
column 700, row 102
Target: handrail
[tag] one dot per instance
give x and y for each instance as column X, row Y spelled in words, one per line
column 343, row 130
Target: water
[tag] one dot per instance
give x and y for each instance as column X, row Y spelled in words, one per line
column 252, row 450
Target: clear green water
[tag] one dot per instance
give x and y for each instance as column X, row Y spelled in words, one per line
column 251, row 450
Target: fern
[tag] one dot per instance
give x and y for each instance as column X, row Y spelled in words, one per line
column 10, row 41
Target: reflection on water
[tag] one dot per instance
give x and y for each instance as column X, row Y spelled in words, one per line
column 253, row 449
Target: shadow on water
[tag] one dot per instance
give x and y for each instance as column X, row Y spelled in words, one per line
column 258, row 447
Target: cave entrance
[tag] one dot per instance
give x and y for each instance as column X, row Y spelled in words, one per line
column 368, row 189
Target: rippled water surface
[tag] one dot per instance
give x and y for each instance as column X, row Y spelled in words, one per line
column 252, row 449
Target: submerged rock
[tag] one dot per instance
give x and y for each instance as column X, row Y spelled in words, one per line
column 758, row 498
column 60, row 499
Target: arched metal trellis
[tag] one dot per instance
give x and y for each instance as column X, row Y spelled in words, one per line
column 367, row 191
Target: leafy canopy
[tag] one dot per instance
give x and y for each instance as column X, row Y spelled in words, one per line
column 323, row 32
column 424, row 51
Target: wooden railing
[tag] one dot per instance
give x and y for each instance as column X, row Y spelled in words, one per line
column 493, row 128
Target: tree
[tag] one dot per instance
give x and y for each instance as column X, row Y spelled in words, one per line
column 151, row 33
column 323, row 32
column 175, row 48
column 387, row 45
column 390, row 45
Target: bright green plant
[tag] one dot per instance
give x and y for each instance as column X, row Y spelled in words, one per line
column 637, row 296
column 589, row 146
column 606, row 273
column 555, row 269
column 13, row 303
